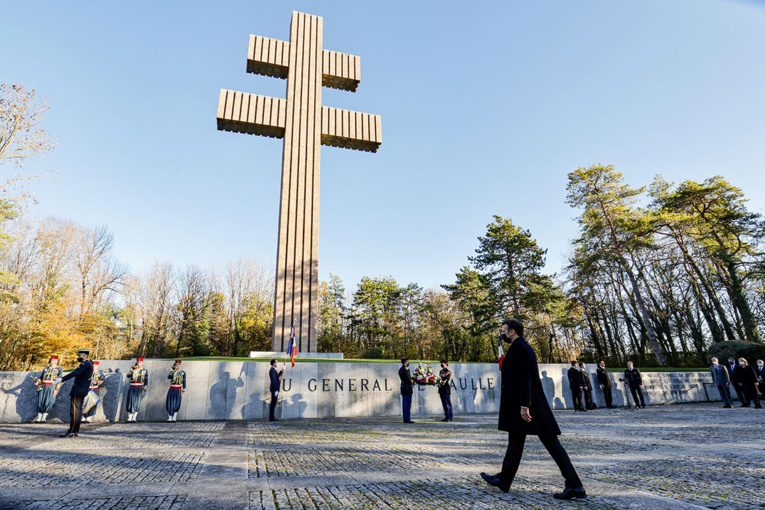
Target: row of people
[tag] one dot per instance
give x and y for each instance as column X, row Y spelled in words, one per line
column 581, row 387
column 747, row 381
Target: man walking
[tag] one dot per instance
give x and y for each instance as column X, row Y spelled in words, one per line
column 586, row 387
column 81, row 376
column 721, row 378
column 635, row 383
column 605, row 383
column 445, row 390
column 575, row 383
column 732, row 375
column 406, row 389
column 276, row 383
column 523, row 410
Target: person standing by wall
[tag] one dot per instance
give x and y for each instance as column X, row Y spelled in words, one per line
column 760, row 371
column 81, row 376
column 575, row 383
column 721, row 378
column 406, row 390
column 604, row 380
column 175, row 391
column 586, row 387
column 445, row 390
column 275, row 378
column 732, row 376
column 47, row 389
column 96, row 380
column 139, row 383
column 746, row 380
column 635, row 382
column 523, row 410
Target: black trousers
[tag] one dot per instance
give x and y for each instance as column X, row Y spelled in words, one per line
column 607, row 396
column 75, row 413
column 514, row 453
column 750, row 390
column 587, row 398
column 576, row 395
column 272, row 407
column 638, row 392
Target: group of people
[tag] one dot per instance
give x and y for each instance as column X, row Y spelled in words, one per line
column 747, row 381
column 444, row 390
column 581, row 387
column 87, row 379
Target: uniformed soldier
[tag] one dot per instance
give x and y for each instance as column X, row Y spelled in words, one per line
column 95, row 384
column 175, row 392
column 445, row 390
column 406, row 389
column 586, row 386
column 47, row 388
column 139, row 383
column 275, row 378
column 81, row 376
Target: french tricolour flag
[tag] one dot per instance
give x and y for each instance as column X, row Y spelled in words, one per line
column 500, row 353
column 292, row 347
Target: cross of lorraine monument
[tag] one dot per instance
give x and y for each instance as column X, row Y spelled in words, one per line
column 305, row 124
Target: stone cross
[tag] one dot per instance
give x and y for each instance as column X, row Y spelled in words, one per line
column 304, row 124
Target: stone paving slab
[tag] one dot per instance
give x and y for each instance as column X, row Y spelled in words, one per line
column 666, row 457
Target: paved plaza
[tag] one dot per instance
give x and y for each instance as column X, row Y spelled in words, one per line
column 682, row 456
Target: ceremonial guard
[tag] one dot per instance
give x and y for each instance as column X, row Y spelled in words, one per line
column 47, row 388
column 445, row 390
column 635, row 383
column 95, row 385
column 406, row 389
column 175, row 392
column 605, row 383
column 586, row 387
column 139, row 383
column 275, row 378
column 81, row 376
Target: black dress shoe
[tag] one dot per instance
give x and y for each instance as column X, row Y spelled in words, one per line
column 410, row 421
column 496, row 482
column 272, row 419
column 445, row 419
column 66, row 434
column 571, row 493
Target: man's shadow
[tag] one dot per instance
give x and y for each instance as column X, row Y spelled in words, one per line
column 548, row 385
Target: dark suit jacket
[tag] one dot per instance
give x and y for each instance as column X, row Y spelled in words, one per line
column 760, row 373
column 575, row 378
column 274, row 376
column 586, row 380
column 81, row 376
column 406, row 380
column 521, row 386
column 720, row 374
column 633, row 378
column 603, row 378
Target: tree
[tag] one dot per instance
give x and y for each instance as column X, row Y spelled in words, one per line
column 613, row 229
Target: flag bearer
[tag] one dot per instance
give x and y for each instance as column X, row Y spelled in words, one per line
column 175, row 392
column 139, row 383
column 47, row 388
column 95, row 384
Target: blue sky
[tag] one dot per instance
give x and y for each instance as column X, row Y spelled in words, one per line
column 486, row 107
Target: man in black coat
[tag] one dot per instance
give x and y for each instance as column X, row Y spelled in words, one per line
column 523, row 410
column 80, row 388
column 732, row 375
column 406, row 389
column 575, row 383
column 586, row 387
column 276, row 382
column 760, row 371
column 605, row 382
column 635, row 383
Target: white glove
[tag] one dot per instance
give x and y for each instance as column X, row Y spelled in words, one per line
column 57, row 381
column 276, row 393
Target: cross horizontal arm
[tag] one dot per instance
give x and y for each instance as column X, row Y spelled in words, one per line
column 270, row 57
column 261, row 115
column 252, row 114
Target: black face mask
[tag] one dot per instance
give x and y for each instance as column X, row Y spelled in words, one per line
column 731, row 363
column 79, row 359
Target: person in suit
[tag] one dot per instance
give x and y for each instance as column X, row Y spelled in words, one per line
column 635, row 383
column 586, row 387
column 47, row 389
column 445, row 390
column 760, row 371
column 732, row 375
column 80, row 388
column 276, row 383
column 406, row 389
column 604, row 381
column 523, row 410
column 721, row 378
column 575, row 383
column 746, row 380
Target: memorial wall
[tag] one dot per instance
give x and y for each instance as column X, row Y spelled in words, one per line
column 218, row 390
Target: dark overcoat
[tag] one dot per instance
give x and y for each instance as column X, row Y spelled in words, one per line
column 406, row 381
column 81, row 376
column 521, row 386
column 603, row 377
column 575, row 379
